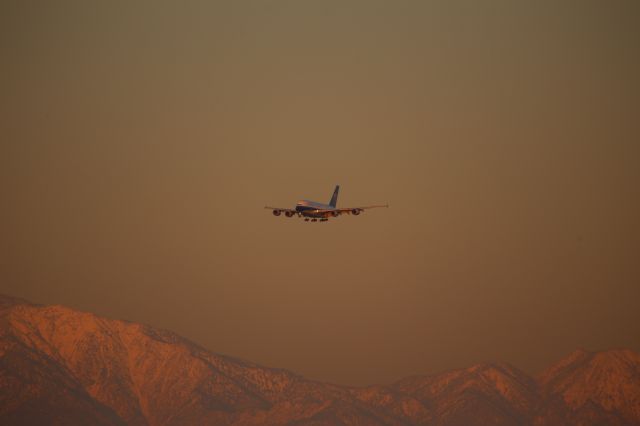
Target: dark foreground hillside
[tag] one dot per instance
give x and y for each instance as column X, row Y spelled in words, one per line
column 63, row 367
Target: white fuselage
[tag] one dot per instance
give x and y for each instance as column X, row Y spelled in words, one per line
column 308, row 208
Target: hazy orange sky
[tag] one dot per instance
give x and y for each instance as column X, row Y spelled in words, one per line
column 140, row 141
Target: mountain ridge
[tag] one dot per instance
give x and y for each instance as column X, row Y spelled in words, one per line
column 62, row 366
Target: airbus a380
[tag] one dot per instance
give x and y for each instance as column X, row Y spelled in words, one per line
column 313, row 211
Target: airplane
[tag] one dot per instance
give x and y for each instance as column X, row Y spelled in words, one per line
column 314, row 211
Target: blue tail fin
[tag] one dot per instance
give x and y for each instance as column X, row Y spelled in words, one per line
column 334, row 199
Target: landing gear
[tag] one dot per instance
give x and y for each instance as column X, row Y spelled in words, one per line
column 314, row 219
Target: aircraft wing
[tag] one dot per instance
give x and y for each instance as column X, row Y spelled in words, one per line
column 282, row 209
column 372, row 207
column 277, row 211
column 348, row 210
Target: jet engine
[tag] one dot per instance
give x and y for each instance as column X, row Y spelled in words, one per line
column 277, row 212
column 355, row 212
column 288, row 214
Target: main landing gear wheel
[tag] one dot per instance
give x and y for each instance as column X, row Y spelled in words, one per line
column 306, row 219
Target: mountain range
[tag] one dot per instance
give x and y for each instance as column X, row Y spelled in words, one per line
column 59, row 366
